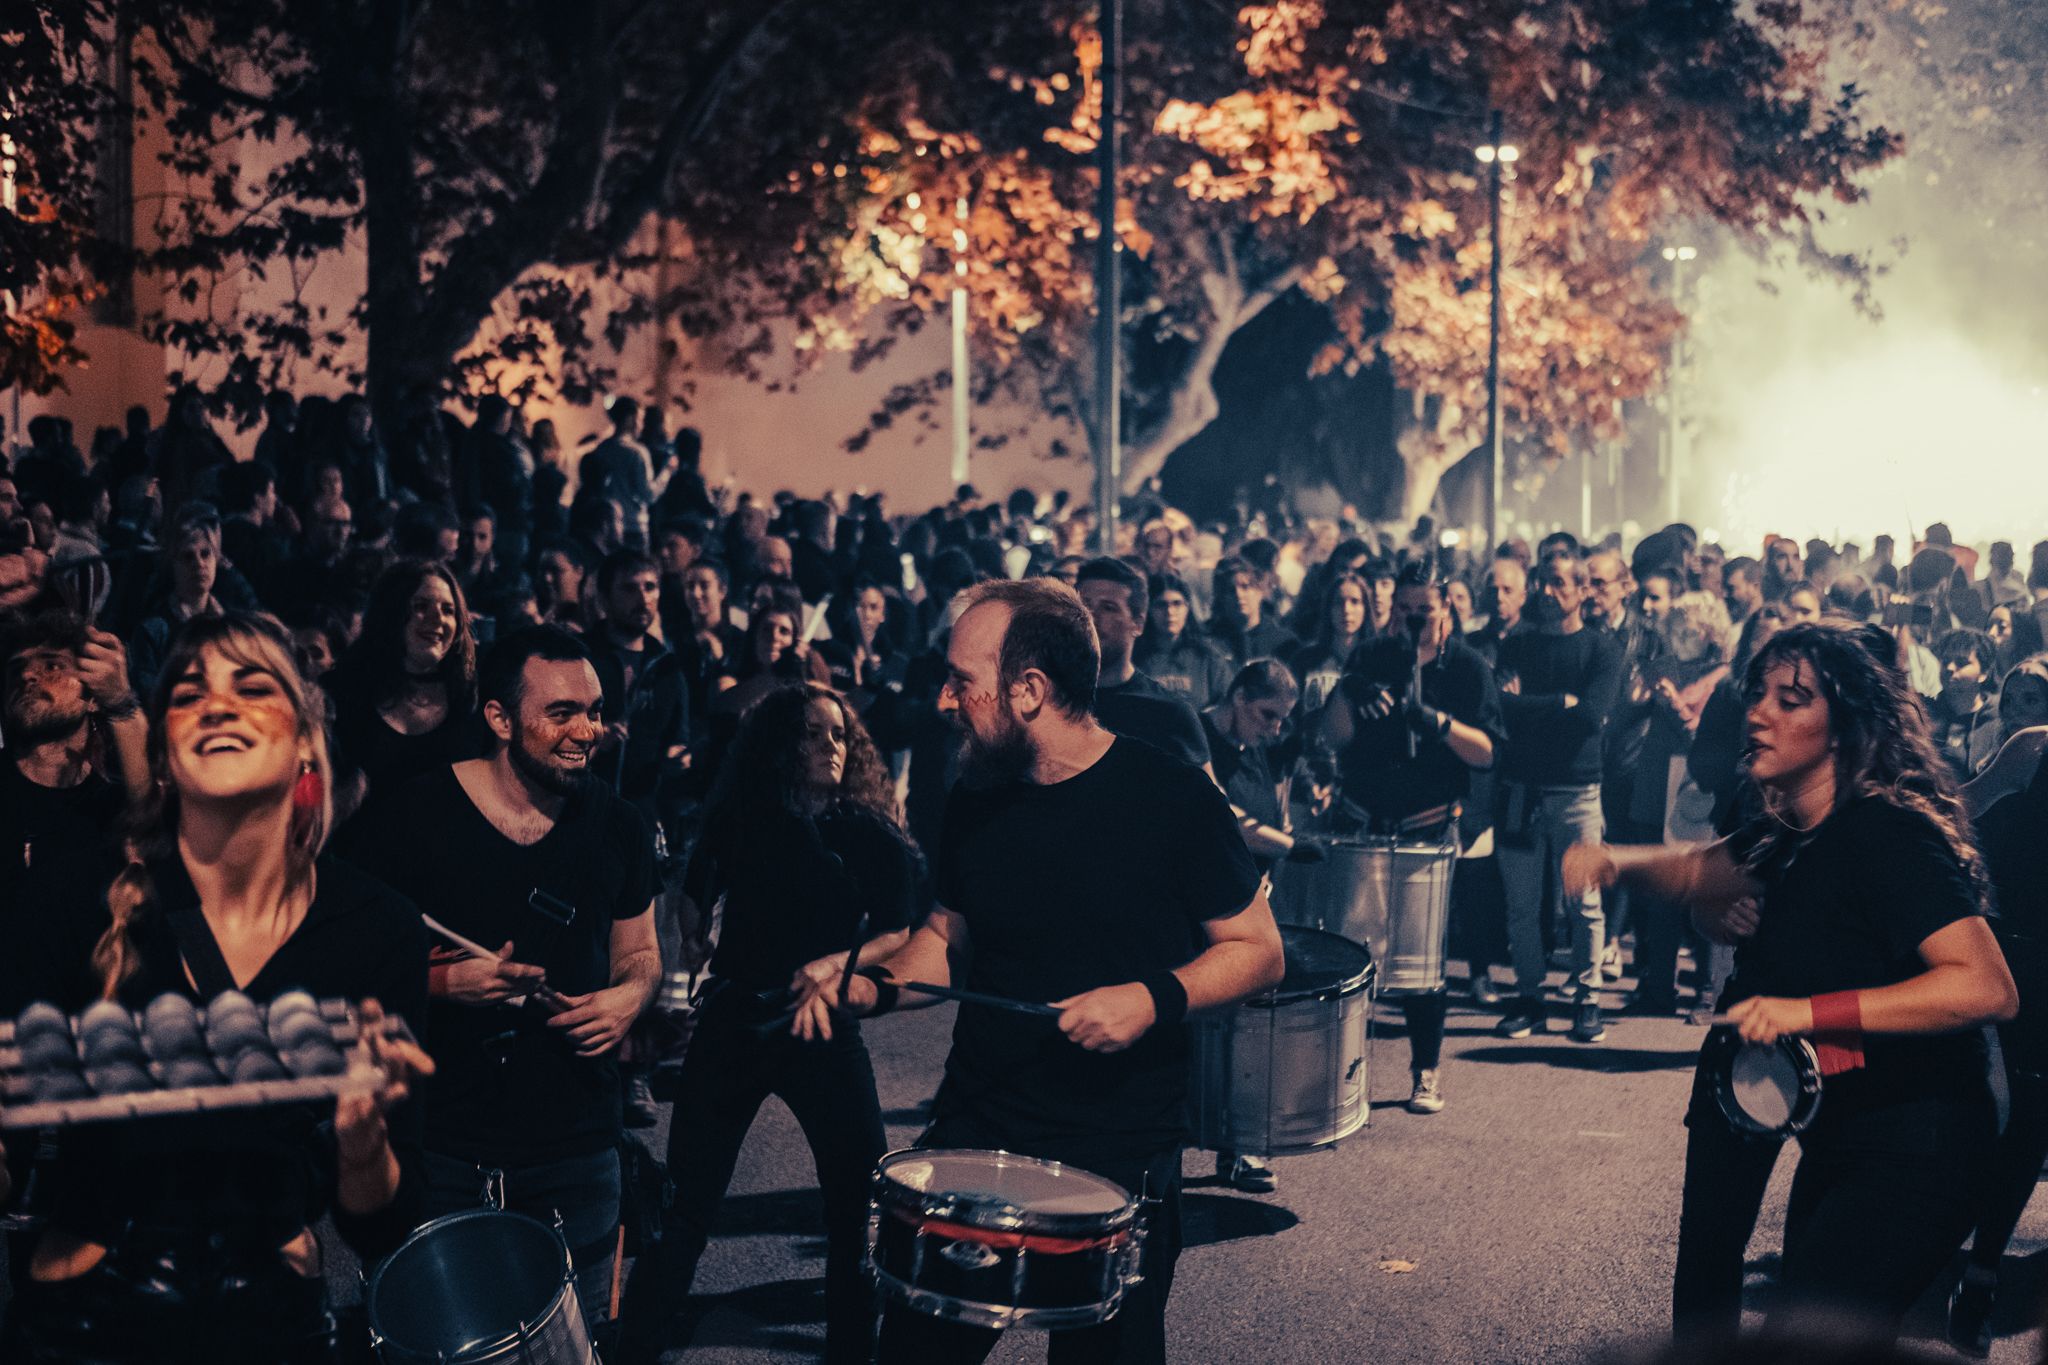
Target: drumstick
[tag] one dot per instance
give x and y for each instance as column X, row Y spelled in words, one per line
column 546, row 994
column 1000, row 1002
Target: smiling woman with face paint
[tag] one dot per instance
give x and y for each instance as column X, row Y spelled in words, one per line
column 196, row 1230
column 803, row 846
column 1856, row 902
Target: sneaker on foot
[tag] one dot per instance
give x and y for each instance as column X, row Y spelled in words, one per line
column 1484, row 992
column 1428, row 1095
column 1523, row 1018
column 1247, row 1173
column 639, row 1110
column 1586, row 1025
column 1610, row 962
column 1969, row 1311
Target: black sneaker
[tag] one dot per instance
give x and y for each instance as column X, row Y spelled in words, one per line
column 1523, row 1018
column 1969, row 1311
column 1586, row 1025
column 639, row 1110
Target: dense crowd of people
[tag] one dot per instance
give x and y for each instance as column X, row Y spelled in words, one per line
column 625, row 724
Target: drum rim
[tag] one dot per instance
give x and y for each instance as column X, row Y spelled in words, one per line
column 483, row 1349
column 992, row 1213
column 1725, row 1043
column 1387, row 843
column 977, row 1313
column 1335, row 990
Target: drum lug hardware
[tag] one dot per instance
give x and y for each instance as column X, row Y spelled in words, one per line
column 969, row 1255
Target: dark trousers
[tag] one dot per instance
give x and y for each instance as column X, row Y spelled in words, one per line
column 1425, row 1017
column 730, row 1070
column 1879, row 1203
column 2007, row 1181
column 1135, row 1336
column 1479, row 914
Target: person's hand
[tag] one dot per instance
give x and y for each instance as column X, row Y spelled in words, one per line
column 361, row 1138
column 1374, row 702
column 1766, row 1018
column 1569, row 700
column 476, row 981
column 597, row 1022
column 1425, row 721
column 1512, row 685
column 1321, row 796
column 1307, row 850
column 103, row 669
column 1730, row 923
column 1587, row 867
column 1107, row 1019
column 817, row 998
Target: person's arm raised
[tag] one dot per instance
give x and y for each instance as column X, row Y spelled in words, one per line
column 927, row 955
column 1705, row 878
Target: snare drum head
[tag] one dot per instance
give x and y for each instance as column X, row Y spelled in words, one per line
column 1319, row 963
column 1043, row 1188
column 1763, row 1082
column 465, row 1283
column 1769, row 1089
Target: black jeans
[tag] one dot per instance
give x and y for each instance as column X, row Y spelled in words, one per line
column 2008, row 1179
column 1135, row 1336
column 174, row 1299
column 830, row 1088
column 1425, row 1018
column 1881, row 1200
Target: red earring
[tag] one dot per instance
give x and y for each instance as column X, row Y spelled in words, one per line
column 305, row 802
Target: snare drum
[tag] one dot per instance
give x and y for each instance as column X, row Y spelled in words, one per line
column 479, row 1288
column 1285, row 1072
column 1764, row 1089
column 1395, row 898
column 993, row 1239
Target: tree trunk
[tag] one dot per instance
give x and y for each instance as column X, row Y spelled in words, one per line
column 392, row 285
column 1440, row 439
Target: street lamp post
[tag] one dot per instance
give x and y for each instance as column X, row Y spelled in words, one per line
column 962, row 429
column 1496, row 155
column 1108, row 290
column 1677, row 256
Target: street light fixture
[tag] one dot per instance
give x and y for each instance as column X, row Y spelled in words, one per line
column 1678, row 256
column 1494, row 154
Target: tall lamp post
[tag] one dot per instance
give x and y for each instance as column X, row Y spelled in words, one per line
column 1108, row 286
column 1495, row 155
column 1678, row 256
column 962, row 430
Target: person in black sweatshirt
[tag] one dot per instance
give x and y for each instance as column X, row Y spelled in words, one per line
column 1558, row 683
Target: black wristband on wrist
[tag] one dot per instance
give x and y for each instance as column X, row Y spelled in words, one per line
column 1169, row 999
column 887, row 992
column 122, row 709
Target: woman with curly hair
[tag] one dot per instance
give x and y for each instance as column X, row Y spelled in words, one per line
column 1856, row 900
column 802, row 844
column 405, row 692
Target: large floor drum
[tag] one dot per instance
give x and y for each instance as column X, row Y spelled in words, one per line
column 479, row 1288
column 1394, row 898
column 1285, row 1072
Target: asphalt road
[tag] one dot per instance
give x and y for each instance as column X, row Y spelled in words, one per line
column 1538, row 1213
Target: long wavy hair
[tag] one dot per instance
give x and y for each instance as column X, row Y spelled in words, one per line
column 375, row 663
column 251, row 640
column 1880, row 730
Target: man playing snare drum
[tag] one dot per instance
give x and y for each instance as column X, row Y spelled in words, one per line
column 1401, row 757
column 1092, row 872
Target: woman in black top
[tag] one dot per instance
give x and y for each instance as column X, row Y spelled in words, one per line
column 405, row 692
column 1857, row 902
column 190, row 1238
column 802, row 844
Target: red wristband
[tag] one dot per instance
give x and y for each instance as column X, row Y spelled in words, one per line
column 1838, row 1012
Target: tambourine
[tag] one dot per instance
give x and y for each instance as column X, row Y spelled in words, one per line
column 1764, row 1089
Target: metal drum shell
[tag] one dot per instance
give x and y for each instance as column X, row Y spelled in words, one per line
column 1392, row 897
column 1286, row 1072
column 447, row 1295
column 915, row 1264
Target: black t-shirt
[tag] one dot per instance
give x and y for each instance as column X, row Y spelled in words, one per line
column 1848, row 909
column 788, row 902
column 1142, row 709
column 510, row 1090
column 262, row 1174
column 42, row 825
column 1096, row 881
column 1378, row 773
column 1549, row 743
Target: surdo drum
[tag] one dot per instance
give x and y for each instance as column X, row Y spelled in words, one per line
column 993, row 1239
column 1764, row 1089
column 479, row 1288
column 1393, row 897
column 1285, row 1072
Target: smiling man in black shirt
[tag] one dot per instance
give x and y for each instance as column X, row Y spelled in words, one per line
column 1097, row 874
column 522, row 849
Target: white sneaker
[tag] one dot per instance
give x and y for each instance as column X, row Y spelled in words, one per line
column 1610, row 962
column 1428, row 1096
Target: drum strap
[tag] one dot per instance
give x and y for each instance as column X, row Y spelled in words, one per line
column 1028, row 1241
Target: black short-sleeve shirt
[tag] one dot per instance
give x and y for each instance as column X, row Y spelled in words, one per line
column 1098, row 880
column 1848, row 909
column 509, row 1090
column 1378, row 771
column 798, row 890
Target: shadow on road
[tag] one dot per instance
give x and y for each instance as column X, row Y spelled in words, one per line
column 776, row 1213
column 1209, row 1218
column 761, row 1315
column 1581, row 1058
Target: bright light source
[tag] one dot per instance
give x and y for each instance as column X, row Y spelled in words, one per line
column 912, row 200
column 1680, row 253
column 1449, row 540
column 1484, row 154
column 1510, row 152
column 960, row 210
column 1670, row 253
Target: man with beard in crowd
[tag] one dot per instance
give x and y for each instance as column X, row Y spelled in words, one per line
column 1126, row 701
column 522, row 851
column 1742, row 587
column 61, row 785
column 1093, row 872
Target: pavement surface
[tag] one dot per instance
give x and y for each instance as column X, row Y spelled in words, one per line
column 1533, row 1220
